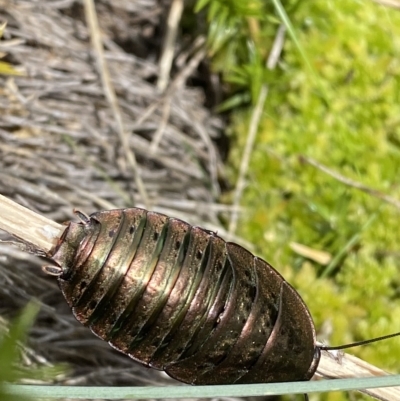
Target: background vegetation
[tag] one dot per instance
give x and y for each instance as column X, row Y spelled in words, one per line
column 339, row 107
column 332, row 104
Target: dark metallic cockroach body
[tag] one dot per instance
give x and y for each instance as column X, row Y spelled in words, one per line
column 179, row 298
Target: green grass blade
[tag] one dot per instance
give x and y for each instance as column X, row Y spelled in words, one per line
column 289, row 27
column 203, row 391
column 292, row 33
column 350, row 244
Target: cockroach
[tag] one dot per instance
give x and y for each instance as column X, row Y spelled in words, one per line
column 179, row 298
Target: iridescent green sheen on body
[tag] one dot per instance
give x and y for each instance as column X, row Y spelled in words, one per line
column 181, row 299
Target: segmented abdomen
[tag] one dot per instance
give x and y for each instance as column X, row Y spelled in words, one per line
column 179, row 298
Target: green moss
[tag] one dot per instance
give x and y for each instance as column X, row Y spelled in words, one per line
column 354, row 129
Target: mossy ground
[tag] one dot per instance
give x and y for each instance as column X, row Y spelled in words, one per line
column 345, row 116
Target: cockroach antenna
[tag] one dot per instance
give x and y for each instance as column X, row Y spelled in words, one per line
column 358, row 343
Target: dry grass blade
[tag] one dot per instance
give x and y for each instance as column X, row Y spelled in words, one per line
column 167, row 55
column 168, row 98
column 93, row 24
column 351, row 183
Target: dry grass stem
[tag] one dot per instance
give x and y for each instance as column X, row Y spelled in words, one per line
column 253, row 127
column 174, row 87
column 351, row 183
column 95, row 32
column 389, row 3
column 165, row 64
column 338, row 365
column 29, row 226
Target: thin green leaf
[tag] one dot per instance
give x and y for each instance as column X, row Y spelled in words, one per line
column 350, row 244
column 234, row 101
column 9, row 348
column 288, row 24
column 237, row 390
column 17, row 334
column 200, row 5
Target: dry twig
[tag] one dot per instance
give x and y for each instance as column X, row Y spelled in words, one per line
column 28, row 226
